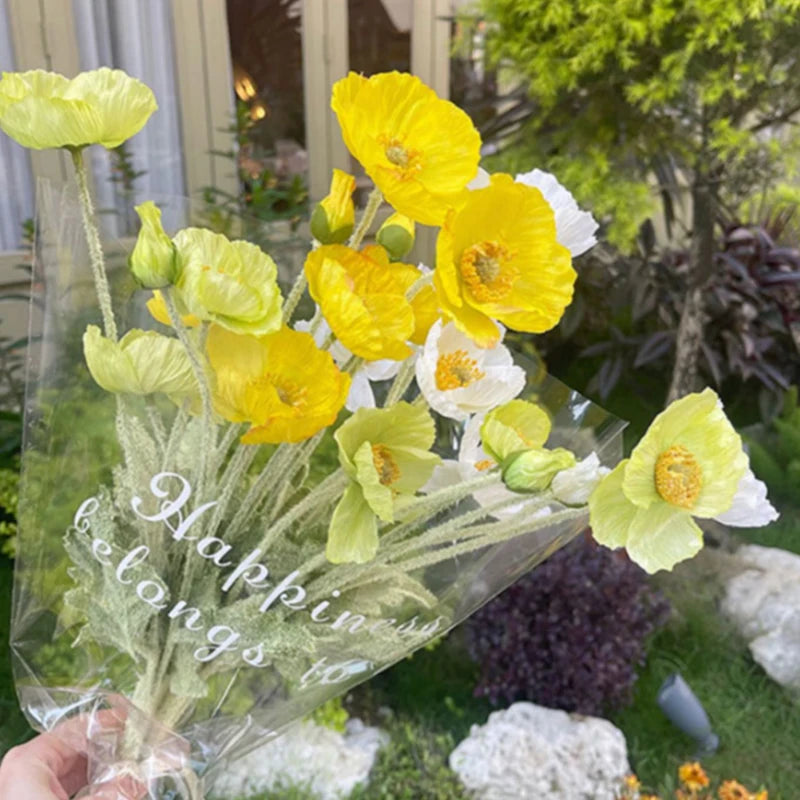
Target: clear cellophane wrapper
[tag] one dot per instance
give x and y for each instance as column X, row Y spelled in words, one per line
column 153, row 650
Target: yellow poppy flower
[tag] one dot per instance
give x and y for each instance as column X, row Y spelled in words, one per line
column 42, row 110
column 690, row 463
column 282, row 384
column 363, row 301
column 497, row 258
column 141, row 362
column 423, row 304
column 230, row 283
column 421, row 151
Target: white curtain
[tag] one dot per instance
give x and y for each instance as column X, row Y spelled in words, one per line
column 16, row 179
column 136, row 37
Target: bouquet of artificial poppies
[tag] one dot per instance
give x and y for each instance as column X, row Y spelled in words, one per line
column 229, row 514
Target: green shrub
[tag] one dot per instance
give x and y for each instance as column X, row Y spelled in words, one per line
column 413, row 766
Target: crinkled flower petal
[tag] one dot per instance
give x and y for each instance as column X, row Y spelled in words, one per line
column 575, row 229
column 362, row 301
column 353, row 532
column 420, row 150
column 573, row 486
column 44, row 110
column 698, row 424
column 751, row 508
column 230, row 283
column 458, row 378
column 142, row 362
column 497, row 258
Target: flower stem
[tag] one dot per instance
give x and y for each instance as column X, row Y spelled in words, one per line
column 200, row 377
column 95, row 247
column 485, row 535
column 296, row 292
column 367, row 218
column 401, row 382
column 418, row 285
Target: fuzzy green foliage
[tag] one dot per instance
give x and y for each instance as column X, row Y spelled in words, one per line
column 775, row 451
column 623, row 87
column 331, row 714
column 413, row 765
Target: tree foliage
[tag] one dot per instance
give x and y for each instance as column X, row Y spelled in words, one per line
column 625, row 89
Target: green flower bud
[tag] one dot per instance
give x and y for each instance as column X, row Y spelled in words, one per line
column 534, row 470
column 154, row 261
column 396, row 235
column 333, row 219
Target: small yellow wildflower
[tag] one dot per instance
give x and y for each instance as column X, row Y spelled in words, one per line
column 497, row 258
column 282, row 384
column 733, row 790
column 44, row 110
column 363, row 301
column 421, row 151
column 693, row 776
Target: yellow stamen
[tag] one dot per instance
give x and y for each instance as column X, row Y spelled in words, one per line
column 408, row 161
column 456, row 370
column 486, row 271
column 388, row 471
column 484, row 464
column 679, row 478
column 289, row 392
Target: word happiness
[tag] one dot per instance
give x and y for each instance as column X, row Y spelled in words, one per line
column 249, row 572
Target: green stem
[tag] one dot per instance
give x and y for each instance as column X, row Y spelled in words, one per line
column 95, row 247
column 320, row 495
column 296, row 292
column 156, row 424
column 418, row 285
column 200, row 377
column 485, row 535
column 239, row 464
column 401, row 382
column 367, row 218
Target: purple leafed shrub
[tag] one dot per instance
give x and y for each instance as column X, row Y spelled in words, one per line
column 568, row 635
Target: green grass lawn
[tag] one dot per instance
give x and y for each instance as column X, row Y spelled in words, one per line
column 13, row 726
column 757, row 721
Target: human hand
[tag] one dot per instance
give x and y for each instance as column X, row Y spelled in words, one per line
column 47, row 768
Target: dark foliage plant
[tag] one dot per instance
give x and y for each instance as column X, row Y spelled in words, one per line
column 569, row 635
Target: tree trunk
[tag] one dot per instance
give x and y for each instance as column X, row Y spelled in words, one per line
column 690, row 330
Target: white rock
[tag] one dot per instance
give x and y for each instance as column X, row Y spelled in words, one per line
column 327, row 763
column 529, row 752
column 763, row 601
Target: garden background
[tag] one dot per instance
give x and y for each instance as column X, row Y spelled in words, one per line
column 676, row 124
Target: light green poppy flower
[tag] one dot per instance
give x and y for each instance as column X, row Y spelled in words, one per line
column 384, row 452
column 154, row 261
column 44, row 110
column 142, row 362
column 689, row 464
column 515, row 427
column 231, row 283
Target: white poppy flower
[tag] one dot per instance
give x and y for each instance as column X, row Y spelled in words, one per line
column 750, row 508
column 458, row 378
column 361, row 394
column 575, row 229
column 574, row 485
